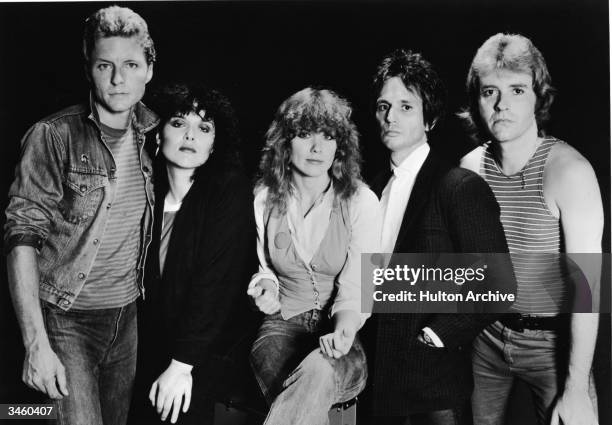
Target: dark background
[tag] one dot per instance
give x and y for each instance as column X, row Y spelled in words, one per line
column 259, row 53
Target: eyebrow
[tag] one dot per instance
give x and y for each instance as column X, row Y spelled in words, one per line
column 401, row 101
column 484, row 86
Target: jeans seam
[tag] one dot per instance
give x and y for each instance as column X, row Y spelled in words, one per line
column 115, row 336
column 261, row 384
column 358, row 386
column 337, row 386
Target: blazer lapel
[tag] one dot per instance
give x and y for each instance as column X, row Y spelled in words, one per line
column 417, row 201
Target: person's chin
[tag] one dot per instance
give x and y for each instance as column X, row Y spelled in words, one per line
column 121, row 104
column 312, row 171
column 392, row 142
column 502, row 136
column 315, row 170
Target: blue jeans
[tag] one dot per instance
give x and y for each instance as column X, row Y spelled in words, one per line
column 298, row 380
column 98, row 351
column 536, row 357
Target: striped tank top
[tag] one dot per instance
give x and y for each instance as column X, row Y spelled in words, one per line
column 532, row 232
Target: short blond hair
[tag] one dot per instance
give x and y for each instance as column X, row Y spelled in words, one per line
column 115, row 21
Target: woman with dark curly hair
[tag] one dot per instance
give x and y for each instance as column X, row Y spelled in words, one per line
column 314, row 218
column 202, row 239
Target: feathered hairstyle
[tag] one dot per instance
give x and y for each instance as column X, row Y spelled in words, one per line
column 311, row 110
column 512, row 52
column 184, row 98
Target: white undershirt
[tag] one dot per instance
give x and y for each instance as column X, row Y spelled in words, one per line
column 396, row 193
column 393, row 203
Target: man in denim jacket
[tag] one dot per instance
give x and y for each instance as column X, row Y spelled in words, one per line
column 78, row 226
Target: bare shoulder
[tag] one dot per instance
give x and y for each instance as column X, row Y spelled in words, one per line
column 472, row 159
column 565, row 165
column 572, row 193
column 569, row 181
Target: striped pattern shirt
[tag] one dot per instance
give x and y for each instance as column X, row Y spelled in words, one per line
column 532, row 232
column 112, row 280
column 170, row 211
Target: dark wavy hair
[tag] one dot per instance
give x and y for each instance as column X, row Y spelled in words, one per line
column 512, row 52
column 417, row 74
column 182, row 98
column 312, row 110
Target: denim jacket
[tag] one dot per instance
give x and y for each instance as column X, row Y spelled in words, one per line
column 64, row 188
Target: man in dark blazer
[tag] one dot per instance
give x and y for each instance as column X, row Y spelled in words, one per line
column 421, row 361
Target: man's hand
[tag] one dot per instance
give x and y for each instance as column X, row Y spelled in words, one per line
column 574, row 407
column 265, row 296
column 423, row 338
column 168, row 390
column 43, row 371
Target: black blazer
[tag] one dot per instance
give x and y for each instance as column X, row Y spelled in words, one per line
column 197, row 311
column 450, row 210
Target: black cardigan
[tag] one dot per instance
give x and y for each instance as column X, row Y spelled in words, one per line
column 197, row 311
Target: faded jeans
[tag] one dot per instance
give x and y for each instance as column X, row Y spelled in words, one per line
column 536, row 357
column 98, row 351
column 298, row 380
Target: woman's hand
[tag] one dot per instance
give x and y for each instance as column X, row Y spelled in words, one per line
column 339, row 342
column 168, row 390
column 265, row 296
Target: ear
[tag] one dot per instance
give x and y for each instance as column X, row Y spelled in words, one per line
column 157, row 139
column 149, row 72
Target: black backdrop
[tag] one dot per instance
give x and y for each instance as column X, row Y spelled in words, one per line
column 258, row 53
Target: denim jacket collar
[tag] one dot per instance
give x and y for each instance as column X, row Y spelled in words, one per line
column 143, row 119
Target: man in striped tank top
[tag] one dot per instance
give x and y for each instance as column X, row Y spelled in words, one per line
column 550, row 203
column 78, row 225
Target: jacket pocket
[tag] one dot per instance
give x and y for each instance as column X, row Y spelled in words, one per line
column 83, row 195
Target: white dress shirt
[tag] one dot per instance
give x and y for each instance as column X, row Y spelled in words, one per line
column 393, row 203
column 396, row 193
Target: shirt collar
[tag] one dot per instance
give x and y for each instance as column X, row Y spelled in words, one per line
column 326, row 198
column 412, row 163
column 142, row 118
